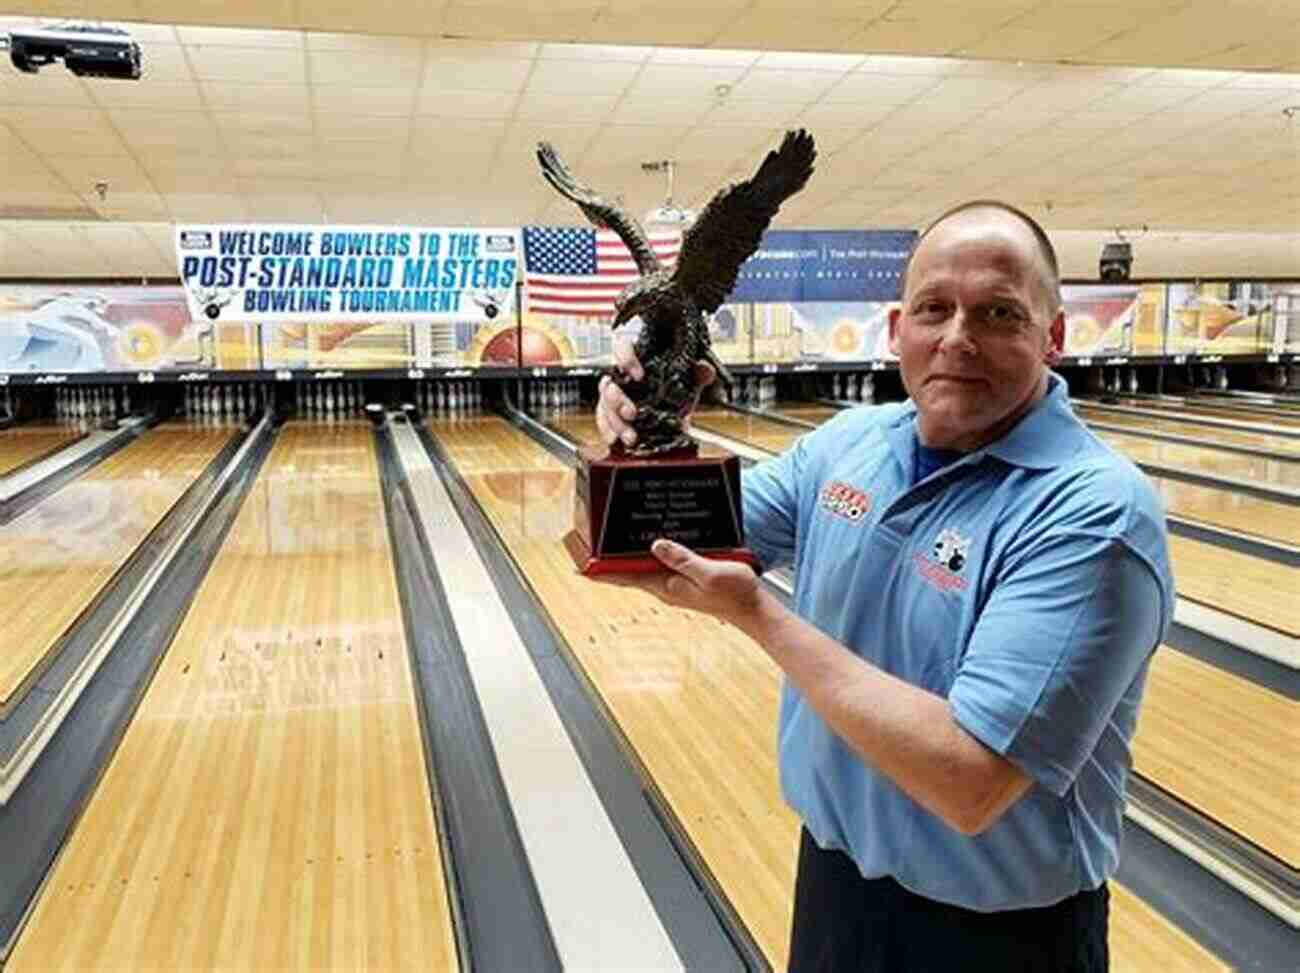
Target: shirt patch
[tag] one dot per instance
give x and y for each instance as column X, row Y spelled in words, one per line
column 947, row 558
column 844, row 501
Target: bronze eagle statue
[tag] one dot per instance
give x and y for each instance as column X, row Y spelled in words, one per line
column 672, row 305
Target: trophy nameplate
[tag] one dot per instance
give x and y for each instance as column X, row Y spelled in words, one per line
column 624, row 503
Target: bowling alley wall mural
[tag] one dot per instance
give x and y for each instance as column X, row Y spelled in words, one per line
column 108, row 328
column 1230, row 318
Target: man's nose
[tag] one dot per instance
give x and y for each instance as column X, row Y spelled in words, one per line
column 957, row 334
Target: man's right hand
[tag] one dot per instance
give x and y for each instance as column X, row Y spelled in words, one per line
column 615, row 411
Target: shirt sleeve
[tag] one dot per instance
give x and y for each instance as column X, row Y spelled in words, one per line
column 1060, row 641
column 770, row 506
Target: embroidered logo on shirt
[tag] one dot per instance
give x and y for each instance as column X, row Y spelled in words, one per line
column 951, row 549
column 844, row 501
column 949, row 557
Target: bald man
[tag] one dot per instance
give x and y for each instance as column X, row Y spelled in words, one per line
column 980, row 584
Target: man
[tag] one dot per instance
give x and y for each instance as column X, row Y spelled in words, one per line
column 980, row 584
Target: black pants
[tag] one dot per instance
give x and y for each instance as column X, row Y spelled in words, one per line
column 844, row 923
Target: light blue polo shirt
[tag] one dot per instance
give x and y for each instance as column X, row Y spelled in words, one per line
column 1028, row 583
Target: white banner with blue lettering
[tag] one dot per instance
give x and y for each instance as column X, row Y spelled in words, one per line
column 824, row 265
column 267, row 272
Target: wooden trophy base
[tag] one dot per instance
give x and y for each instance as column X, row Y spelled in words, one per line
column 622, row 504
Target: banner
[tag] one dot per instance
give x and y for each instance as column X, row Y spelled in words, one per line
column 799, row 266
column 271, row 273
column 107, row 328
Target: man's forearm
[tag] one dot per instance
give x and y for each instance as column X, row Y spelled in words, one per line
column 906, row 732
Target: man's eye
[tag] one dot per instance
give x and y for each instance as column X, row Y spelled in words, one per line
column 1002, row 314
column 929, row 308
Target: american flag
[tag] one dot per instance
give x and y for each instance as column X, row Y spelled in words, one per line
column 582, row 271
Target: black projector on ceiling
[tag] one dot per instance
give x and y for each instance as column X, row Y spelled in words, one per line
column 1116, row 261
column 88, row 52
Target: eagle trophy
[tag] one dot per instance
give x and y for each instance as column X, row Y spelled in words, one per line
column 672, row 305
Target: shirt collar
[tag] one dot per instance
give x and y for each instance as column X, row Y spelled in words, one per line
column 1042, row 440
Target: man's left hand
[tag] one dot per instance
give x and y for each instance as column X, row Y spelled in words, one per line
column 727, row 589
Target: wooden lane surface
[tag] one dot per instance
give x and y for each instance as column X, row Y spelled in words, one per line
column 1143, row 941
column 1236, row 583
column 1215, row 507
column 56, row 557
column 1205, row 459
column 696, row 700
column 775, row 437
column 1237, row 437
column 1212, row 411
column 1226, row 746
column 808, row 413
column 269, row 807
column 20, row 445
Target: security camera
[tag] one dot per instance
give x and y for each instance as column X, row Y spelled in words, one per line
column 86, row 51
column 1116, row 261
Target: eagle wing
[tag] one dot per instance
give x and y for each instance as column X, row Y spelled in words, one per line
column 600, row 211
column 731, row 226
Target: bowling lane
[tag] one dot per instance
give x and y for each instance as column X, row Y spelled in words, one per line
column 1205, row 459
column 578, row 425
column 1235, row 761
column 20, row 445
column 1211, row 411
column 695, row 699
column 816, row 414
column 1239, row 584
column 55, row 558
column 1236, row 437
column 268, row 807
column 775, row 437
column 1269, row 519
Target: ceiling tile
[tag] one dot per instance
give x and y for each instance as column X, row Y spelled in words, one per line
column 418, row 18
column 872, row 88
column 235, row 13
column 282, row 98
column 582, row 77
column 359, row 100
column 376, row 68
column 757, row 28
column 641, row 110
column 485, row 74
column 577, row 108
column 53, row 87
column 162, row 62
column 83, row 172
column 466, row 104
column 165, row 95
column 683, row 81
column 338, row 126
column 599, row 53
column 269, row 125
column 220, row 63
column 697, row 28
column 745, row 111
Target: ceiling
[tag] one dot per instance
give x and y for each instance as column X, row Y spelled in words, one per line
column 1091, row 114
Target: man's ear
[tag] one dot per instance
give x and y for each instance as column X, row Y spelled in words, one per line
column 1055, row 339
column 895, row 313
